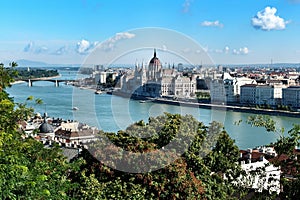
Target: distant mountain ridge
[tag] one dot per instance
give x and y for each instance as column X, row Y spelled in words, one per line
column 31, row 63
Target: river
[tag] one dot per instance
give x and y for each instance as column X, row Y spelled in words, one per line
column 112, row 113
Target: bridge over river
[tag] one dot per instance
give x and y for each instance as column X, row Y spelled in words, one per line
column 55, row 81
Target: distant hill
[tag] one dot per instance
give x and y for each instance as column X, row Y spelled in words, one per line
column 30, row 63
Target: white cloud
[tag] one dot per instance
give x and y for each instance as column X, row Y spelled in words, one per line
column 186, row 6
column 226, row 49
column 212, row 24
column 124, row 35
column 85, row 46
column 41, row 49
column 28, row 47
column 241, row 51
column 62, row 50
column 268, row 20
column 164, row 48
column 109, row 44
column 32, row 48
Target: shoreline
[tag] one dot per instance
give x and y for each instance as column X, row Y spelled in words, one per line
column 231, row 108
column 241, row 109
column 42, row 78
column 17, row 82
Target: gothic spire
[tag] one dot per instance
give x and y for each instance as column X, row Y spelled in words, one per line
column 154, row 53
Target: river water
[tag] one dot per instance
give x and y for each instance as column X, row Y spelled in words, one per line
column 112, row 113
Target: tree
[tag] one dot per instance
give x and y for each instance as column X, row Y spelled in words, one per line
column 188, row 160
column 190, row 175
column 284, row 145
column 27, row 169
column 6, row 78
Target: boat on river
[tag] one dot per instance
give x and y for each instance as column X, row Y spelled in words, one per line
column 75, row 108
column 98, row 92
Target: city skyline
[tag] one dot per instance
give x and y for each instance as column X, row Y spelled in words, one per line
column 234, row 32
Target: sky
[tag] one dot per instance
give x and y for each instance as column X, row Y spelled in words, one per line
column 229, row 31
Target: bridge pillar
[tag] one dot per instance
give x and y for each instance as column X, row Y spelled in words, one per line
column 56, row 83
column 29, row 83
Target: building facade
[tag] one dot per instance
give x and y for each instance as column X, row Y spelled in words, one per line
column 268, row 95
column 248, row 94
column 228, row 89
column 252, row 94
column 155, row 81
column 291, row 96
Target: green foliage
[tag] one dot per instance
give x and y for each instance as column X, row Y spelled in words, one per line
column 24, row 74
column 284, row 145
column 188, row 160
column 27, row 169
column 194, row 174
column 202, row 95
column 6, row 78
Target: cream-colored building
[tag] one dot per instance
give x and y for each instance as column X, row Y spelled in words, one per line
column 155, row 81
column 261, row 94
column 248, row 94
column 268, row 94
column 228, row 89
column 291, row 96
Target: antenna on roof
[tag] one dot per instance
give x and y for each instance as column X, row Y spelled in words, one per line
column 271, row 62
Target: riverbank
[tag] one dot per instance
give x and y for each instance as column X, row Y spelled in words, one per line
column 17, row 82
column 42, row 78
column 229, row 108
column 116, row 113
column 189, row 103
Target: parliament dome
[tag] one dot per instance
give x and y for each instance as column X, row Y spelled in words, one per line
column 155, row 61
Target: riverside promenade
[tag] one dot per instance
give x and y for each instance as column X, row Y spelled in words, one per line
column 194, row 103
column 228, row 107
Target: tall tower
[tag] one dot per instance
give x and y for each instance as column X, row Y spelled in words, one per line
column 154, row 67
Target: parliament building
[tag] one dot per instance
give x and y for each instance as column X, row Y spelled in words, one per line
column 155, row 81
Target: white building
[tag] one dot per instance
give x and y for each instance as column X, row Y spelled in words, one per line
column 268, row 94
column 228, row 90
column 217, row 91
column 75, row 133
column 260, row 174
column 291, row 96
column 248, row 94
column 100, row 77
column 154, row 81
column 252, row 94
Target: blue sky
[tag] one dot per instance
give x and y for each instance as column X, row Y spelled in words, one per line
column 231, row 31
